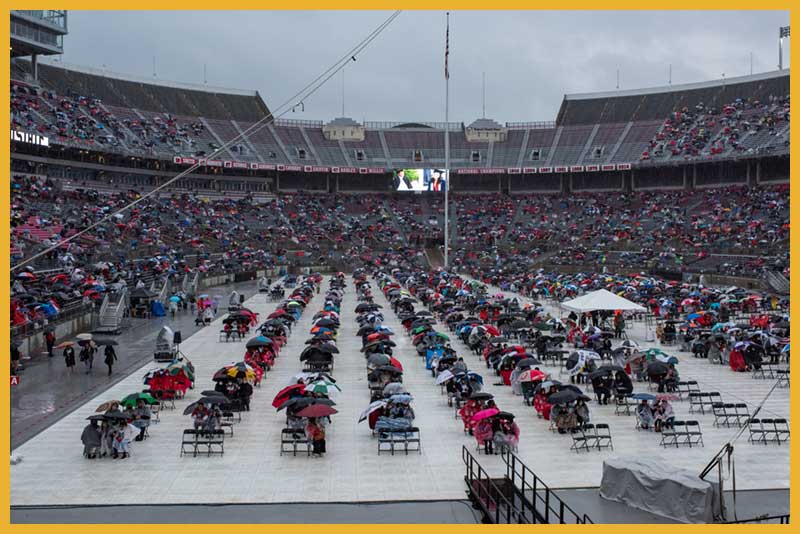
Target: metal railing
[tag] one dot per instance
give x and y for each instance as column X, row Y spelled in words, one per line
column 493, row 500
column 66, row 314
column 774, row 519
column 546, row 503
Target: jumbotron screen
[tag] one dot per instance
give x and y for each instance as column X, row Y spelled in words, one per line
column 420, row 180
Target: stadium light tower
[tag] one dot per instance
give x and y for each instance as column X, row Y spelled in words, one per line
column 782, row 34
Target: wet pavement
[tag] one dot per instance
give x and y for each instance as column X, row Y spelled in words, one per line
column 48, row 391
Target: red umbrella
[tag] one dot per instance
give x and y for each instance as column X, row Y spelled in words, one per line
column 284, row 394
column 316, row 410
column 483, row 414
column 396, row 363
column 491, row 330
column 277, row 313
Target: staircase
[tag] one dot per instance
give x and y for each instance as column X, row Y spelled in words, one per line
column 517, row 496
column 778, row 282
column 112, row 312
column 435, row 257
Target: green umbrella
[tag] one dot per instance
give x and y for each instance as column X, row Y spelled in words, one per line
column 443, row 336
column 133, row 398
column 420, row 329
column 542, row 326
column 651, row 354
column 322, row 386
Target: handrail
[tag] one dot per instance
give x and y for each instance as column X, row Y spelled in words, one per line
column 526, row 480
column 781, row 519
column 492, row 499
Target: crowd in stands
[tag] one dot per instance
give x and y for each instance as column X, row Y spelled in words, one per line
column 736, row 231
column 707, row 131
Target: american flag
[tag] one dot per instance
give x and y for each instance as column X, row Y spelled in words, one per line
column 447, row 49
column 784, row 31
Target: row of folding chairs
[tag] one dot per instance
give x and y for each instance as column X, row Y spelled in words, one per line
column 682, row 433
column 769, row 431
column 591, row 436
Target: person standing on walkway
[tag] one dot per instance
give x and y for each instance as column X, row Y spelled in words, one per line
column 69, row 358
column 111, row 357
column 50, row 341
column 87, row 357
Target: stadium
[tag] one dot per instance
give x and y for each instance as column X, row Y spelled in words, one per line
column 631, row 256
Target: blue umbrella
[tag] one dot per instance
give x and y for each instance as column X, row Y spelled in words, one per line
column 174, row 298
column 644, row 396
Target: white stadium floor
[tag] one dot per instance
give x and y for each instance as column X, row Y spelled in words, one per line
column 251, row 470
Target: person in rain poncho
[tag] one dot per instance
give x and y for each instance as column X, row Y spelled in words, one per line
column 505, row 434
column 484, row 434
column 644, row 414
column 122, row 442
column 663, row 415
column 91, row 440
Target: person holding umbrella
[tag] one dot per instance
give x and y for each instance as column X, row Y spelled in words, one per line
column 244, row 392
column 110, row 357
column 315, row 432
column 69, row 357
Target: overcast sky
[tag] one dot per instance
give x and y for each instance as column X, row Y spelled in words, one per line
column 531, row 59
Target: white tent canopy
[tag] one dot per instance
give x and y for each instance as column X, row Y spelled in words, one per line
column 601, row 300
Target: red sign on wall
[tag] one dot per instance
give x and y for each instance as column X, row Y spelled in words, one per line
column 14, row 380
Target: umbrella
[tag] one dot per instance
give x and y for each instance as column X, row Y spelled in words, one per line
column 114, row 414
column 378, row 359
column 657, row 368
column 106, row 406
column 527, row 362
column 259, row 341
column 605, row 370
column 401, row 398
column 483, row 414
column 298, row 403
column 97, row 417
column 504, row 415
column 444, row 376
column 566, row 396
column 377, row 405
column 481, row 396
column 531, row 376
column 84, row 337
column 65, row 344
column 629, row 344
column 316, row 410
column 644, row 396
column 213, row 393
column 102, row 342
column 133, row 398
column 322, row 387
column 285, row 393
column 393, row 388
column 204, row 400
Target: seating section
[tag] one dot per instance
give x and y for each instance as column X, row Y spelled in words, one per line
column 406, row 439
column 591, row 436
column 769, row 431
column 197, row 441
column 680, row 433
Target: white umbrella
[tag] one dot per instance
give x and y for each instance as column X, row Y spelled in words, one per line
column 371, row 408
column 444, row 376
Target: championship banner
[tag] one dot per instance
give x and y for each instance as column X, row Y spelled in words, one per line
column 529, row 170
column 623, row 166
column 545, row 170
column 514, row 170
column 576, row 168
column 592, row 168
column 562, row 168
column 609, row 167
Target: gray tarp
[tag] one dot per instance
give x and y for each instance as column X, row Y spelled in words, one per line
column 655, row 486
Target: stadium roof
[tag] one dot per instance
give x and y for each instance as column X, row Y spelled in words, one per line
column 150, row 81
column 681, row 87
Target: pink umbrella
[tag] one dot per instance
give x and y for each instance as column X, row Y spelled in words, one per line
column 483, row 414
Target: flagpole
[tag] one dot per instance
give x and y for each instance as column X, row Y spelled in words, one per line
column 447, row 146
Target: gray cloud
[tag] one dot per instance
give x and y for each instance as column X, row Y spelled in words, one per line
column 530, row 58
